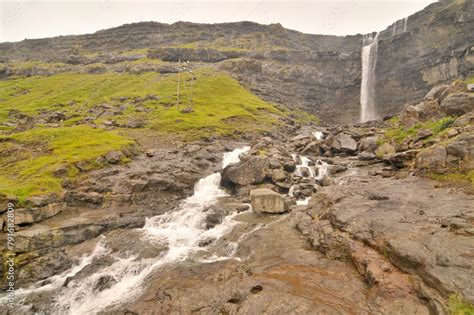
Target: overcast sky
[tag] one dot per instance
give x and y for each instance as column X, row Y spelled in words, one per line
column 20, row 19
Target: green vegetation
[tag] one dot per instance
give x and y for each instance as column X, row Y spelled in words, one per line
column 29, row 159
column 469, row 80
column 401, row 133
column 457, row 306
column 455, row 178
column 221, row 104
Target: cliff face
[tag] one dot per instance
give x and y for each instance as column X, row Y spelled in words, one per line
column 321, row 74
column 435, row 46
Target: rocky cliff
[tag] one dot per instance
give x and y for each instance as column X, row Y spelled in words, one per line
column 321, row 74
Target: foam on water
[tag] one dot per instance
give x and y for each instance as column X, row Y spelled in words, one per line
column 179, row 231
column 318, row 135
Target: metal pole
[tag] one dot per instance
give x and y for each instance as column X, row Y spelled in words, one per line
column 192, row 83
column 179, row 71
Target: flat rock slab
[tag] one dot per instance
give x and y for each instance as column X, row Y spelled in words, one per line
column 423, row 230
column 267, row 201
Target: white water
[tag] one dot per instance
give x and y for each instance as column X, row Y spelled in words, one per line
column 318, row 135
column 179, row 231
column 394, row 29
column 367, row 91
column 323, row 171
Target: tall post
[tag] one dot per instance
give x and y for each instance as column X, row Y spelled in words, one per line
column 179, row 71
column 192, row 83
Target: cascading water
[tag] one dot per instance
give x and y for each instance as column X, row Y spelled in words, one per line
column 321, row 166
column 394, row 29
column 179, row 232
column 368, row 109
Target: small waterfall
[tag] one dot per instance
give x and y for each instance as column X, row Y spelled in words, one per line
column 321, row 166
column 394, row 29
column 368, row 109
column 179, row 232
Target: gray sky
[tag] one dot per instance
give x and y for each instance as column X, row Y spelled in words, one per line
column 20, row 19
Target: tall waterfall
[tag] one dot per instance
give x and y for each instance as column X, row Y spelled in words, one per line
column 367, row 91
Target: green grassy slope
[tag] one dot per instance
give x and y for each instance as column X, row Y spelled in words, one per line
column 31, row 157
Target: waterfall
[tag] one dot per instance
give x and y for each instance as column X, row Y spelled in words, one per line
column 394, row 29
column 321, row 166
column 180, row 232
column 367, row 91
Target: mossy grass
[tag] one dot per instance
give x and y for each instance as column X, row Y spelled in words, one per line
column 455, row 178
column 221, row 106
column 401, row 133
column 29, row 159
column 458, row 306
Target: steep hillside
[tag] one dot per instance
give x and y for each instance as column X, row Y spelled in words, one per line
column 321, row 74
column 56, row 127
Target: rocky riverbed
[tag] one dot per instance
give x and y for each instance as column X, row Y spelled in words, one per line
column 374, row 218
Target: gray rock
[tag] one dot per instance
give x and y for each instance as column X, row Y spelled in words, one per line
column 29, row 216
column 252, row 170
column 368, row 144
column 344, row 143
column 432, row 159
column 278, row 175
column 436, row 92
column 267, row 201
column 458, row 104
column 366, row 156
column 114, row 157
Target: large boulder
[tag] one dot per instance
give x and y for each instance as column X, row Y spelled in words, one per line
column 458, row 104
column 267, row 201
column 438, row 92
column 369, row 144
column 252, row 170
column 432, row 159
column 427, row 109
column 344, row 143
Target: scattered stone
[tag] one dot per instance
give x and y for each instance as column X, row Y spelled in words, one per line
column 432, row 159
column 150, row 153
column 423, row 134
column 256, row 289
column 289, row 166
column 369, row 144
column 366, row 156
column 187, row 110
column 344, row 143
column 278, row 175
column 113, row 157
column 243, row 207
